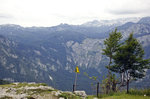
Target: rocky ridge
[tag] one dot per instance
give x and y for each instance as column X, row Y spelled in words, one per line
column 35, row 91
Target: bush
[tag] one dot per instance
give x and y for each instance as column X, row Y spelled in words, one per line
column 3, row 82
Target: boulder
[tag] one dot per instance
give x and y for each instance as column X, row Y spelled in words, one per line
column 80, row 93
column 56, row 93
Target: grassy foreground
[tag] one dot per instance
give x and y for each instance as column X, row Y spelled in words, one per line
column 127, row 96
column 134, row 94
column 123, row 96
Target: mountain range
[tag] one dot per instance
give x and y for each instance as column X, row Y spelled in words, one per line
column 50, row 54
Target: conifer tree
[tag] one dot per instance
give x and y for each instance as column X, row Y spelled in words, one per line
column 129, row 61
column 112, row 44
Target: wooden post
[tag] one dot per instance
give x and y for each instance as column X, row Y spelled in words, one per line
column 75, row 83
column 73, row 88
column 127, row 86
column 97, row 89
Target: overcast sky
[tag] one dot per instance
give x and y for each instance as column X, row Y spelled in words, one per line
column 54, row 12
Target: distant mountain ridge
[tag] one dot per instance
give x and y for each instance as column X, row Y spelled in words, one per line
column 114, row 22
column 40, row 53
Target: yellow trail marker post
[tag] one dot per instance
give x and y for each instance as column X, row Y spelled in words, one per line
column 75, row 84
column 77, row 69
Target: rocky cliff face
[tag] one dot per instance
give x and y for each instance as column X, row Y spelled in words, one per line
column 87, row 54
column 50, row 54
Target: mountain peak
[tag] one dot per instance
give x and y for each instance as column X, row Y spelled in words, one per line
column 145, row 20
column 11, row 25
column 114, row 22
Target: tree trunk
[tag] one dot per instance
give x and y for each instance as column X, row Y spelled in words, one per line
column 127, row 86
column 109, row 66
column 114, row 83
column 108, row 86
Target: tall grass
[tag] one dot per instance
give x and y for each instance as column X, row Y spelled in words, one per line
column 126, row 96
column 140, row 92
column 133, row 94
column 112, row 94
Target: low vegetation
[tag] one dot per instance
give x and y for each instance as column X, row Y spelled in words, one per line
column 126, row 96
column 133, row 94
column 143, row 92
column 19, row 85
column 3, row 82
column 6, row 97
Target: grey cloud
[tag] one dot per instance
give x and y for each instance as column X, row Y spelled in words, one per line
column 5, row 16
column 129, row 11
column 129, row 8
column 123, row 12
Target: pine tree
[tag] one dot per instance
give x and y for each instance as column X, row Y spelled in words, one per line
column 112, row 44
column 129, row 61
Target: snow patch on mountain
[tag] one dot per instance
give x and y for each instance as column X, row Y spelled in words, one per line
column 113, row 22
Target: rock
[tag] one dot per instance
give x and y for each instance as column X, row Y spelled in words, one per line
column 56, row 93
column 61, row 98
column 68, row 92
column 95, row 98
column 80, row 93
